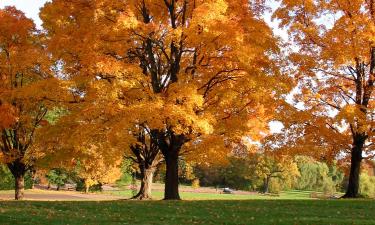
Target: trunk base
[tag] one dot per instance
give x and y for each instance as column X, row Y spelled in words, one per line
column 141, row 197
column 19, row 187
column 350, row 195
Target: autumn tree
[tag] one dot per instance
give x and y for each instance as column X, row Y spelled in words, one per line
column 70, row 144
column 147, row 156
column 25, row 92
column 180, row 69
column 270, row 167
column 335, row 67
column 141, row 148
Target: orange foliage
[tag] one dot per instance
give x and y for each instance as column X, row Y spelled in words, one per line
column 187, row 68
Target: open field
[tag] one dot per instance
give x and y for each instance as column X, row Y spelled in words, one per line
column 158, row 195
column 359, row 212
column 44, row 195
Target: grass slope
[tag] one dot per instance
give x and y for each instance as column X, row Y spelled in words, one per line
column 359, row 212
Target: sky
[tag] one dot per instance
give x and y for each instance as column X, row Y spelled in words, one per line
column 31, row 9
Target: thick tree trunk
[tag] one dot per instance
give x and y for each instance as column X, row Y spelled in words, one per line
column 170, row 145
column 146, row 184
column 171, row 191
column 19, row 186
column 18, row 170
column 352, row 190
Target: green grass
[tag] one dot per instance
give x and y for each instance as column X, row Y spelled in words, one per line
column 359, row 212
column 158, row 195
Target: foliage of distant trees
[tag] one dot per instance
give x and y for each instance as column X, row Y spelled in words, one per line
column 239, row 174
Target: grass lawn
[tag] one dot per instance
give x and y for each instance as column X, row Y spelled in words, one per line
column 359, row 212
column 158, row 195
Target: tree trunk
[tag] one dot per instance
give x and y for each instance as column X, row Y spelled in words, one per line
column 170, row 145
column 266, row 184
column 171, row 191
column 146, row 184
column 18, row 170
column 19, row 186
column 352, row 190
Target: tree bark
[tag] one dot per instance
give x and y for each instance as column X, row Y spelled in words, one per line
column 18, row 170
column 171, row 191
column 352, row 190
column 170, row 145
column 148, row 158
column 87, row 187
column 146, row 184
column 19, row 186
column 266, row 184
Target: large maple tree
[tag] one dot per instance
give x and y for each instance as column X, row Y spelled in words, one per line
column 335, row 68
column 28, row 90
column 179, row 69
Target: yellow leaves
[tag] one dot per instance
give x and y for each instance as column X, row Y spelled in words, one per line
column 282, row 167
column 211, row 10
column 353, row 115
column 127, row 20
column 206, row 15
column 118, row 53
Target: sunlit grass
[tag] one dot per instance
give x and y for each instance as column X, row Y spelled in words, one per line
column 359, row 212
column 157, row 195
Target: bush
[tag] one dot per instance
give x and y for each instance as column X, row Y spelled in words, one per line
column 94, row 188
column 318, row 176
column 195, row 183
column 274, row 186
column 7, row 180
column 126, row 176
column 57, row 177
column 367, row 185
column 329, row 186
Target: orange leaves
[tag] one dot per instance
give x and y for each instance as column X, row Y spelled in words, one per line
column 27, row 88
column 8, row 116
column 14, row 26
column 196, row 68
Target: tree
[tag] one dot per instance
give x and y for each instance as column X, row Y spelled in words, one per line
column 177, row 68
column 58, row 177
column 317, row 175
column 147, row 157
column 335, row 68
column 71, row 144
column 269, row 167
column 27, row 89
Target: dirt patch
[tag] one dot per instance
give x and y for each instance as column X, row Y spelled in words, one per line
column 43, row 195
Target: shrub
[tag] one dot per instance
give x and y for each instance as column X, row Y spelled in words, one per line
column 195, row 183
column 57, row 177
column 126, row 176
column 94, row 188
column 367, row 185
column 274, row 186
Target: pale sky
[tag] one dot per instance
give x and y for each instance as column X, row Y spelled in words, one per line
column 29, row 7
